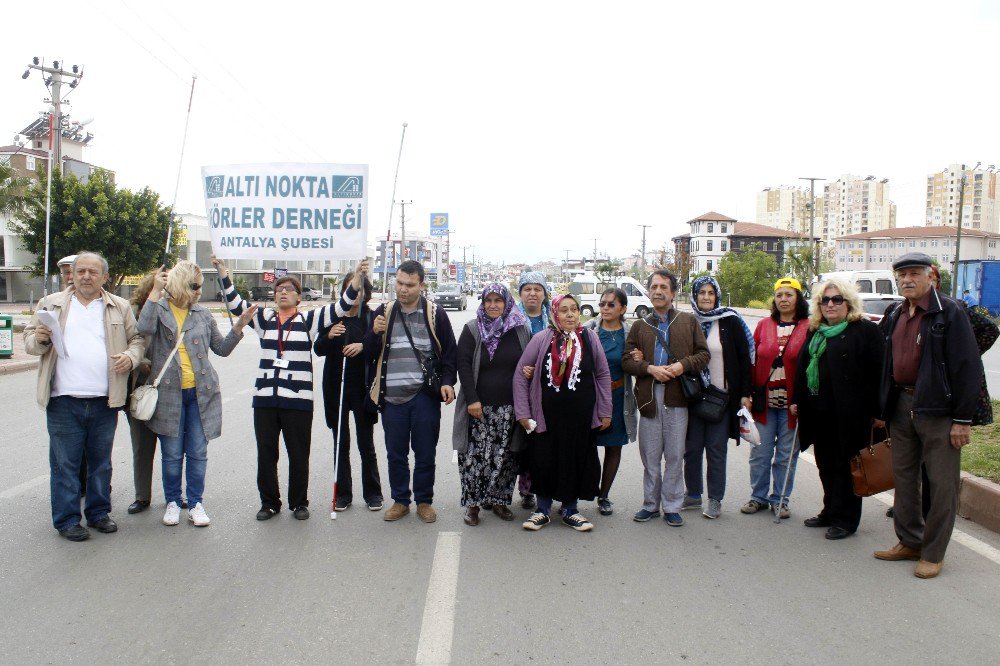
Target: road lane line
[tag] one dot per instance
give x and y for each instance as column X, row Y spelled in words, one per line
column 24, row 487
column 438, row 624
column 957, row 535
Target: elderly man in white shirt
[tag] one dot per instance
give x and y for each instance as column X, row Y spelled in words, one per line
column 82, row 387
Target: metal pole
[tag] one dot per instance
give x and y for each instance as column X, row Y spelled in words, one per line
column 180, row 165
column 642, row 257
column 48, row 212
column 958, row 234
column 388, row 232
column 812, row 223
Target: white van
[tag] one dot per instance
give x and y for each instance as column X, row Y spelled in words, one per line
column 587, row 288
column 867, row 282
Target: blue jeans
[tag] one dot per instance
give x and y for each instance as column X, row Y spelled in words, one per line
column 80, row 429
column 545, row 506
column 769, row 461
column 415, row 424
column 191, row 443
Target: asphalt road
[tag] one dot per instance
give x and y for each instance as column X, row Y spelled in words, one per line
column 360, row 590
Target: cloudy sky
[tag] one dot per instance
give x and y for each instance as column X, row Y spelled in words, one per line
column 539, row 126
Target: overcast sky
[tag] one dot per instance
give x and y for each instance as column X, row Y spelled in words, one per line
column 538, row 126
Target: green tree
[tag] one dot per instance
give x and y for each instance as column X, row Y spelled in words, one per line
column 128, row 228
column 747, row 275
column 12, row 190
column 608, row 271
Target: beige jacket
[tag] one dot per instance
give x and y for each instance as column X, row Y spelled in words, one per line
column 120, row 337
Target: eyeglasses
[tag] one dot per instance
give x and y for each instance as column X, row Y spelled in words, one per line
column 285, row 290
column 195, row 286
column 608, row 304
column 836, row 300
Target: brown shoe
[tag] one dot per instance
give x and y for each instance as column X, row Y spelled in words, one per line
column 396, row 511
column 472, row 516
column 503, row 511
column 426, row 513
column 925, row 569
column 897, row 553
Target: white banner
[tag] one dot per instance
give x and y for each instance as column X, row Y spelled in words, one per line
column 287, row 211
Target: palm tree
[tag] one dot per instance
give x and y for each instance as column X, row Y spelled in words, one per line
column 13, row 188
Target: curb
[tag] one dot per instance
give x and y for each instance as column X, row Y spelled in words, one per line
column 17, row 366
column 979, row 501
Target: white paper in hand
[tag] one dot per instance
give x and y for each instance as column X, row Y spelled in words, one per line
column 532, row 424
column 50, row 320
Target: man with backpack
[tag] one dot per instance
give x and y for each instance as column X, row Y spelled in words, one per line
column 415, row 354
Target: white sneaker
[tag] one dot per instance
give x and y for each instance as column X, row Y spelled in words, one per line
column 172, row 515
column 197, row 516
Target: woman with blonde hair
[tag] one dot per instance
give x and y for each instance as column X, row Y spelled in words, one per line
column 189, row 406
column 836, row 398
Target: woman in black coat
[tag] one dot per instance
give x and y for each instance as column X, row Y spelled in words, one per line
column 341, row 339
column 837, row 398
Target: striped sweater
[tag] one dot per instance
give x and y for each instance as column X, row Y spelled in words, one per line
column 291, row 387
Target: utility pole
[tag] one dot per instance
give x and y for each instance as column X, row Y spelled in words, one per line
column 958, row 234
column 402, row 224
column 812, row 222
column 642, row 256
column 566, row 266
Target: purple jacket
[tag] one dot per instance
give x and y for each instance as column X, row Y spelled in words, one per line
column 528, row 393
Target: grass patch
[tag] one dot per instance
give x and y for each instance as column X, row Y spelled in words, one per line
column 982, row 456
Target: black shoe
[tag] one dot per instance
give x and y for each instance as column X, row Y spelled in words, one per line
column 528, row 501
column 266, row 513
column 817, row 521
column 138, row 506
column 105, row 525
column 375, row 503
column 75, row 533
column 605, row 506
column 835, row 533
column 342, row 504
column 301, row 513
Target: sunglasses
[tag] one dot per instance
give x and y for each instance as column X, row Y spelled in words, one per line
column 195, row 286
column 285, row 289
column 608, row 304
column 836, row 300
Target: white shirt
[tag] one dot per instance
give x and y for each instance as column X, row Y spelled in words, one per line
column 84, row 371
column 716, row 366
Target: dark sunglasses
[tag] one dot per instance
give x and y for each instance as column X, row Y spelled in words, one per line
column 608, row 304
column 195, row 286
column 836, row 300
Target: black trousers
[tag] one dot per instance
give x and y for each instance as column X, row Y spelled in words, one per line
column 833, row 458
column 364, row 428
column 295, row 427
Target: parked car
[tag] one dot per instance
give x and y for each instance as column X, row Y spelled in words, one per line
column 451, row 295
column 261, row 293
column 311, row 294
column 875, row 305
column 588, row 288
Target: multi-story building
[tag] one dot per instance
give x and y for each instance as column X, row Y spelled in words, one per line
column 787, row 208
column 713, row 235
column 876, row 250
column 980, row 205
column 430, row 251
column 855, row 205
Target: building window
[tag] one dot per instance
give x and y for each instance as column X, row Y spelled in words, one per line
column 722, row 245
column 923, row 243
column 29, row 162
column 913, row 243
column 711, row 229
column 724, row 227
column 709, row 263
column 696, row 244
column 708, row 248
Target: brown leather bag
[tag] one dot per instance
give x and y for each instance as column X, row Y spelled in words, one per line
column 871, row 468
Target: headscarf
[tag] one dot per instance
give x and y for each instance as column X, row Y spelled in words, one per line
column 816, row 348
column 491, row 330
column 564, row 359
column 534, row 277
column 707, row 318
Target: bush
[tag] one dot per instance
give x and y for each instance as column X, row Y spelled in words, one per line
column 758, row 305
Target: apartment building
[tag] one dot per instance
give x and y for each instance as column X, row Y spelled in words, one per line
column 877, row 250
column 980, row 206
column 787, row 207
column 855, row 205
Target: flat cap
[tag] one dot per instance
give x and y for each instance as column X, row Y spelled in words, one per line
column 66, row 260
column 911, row 259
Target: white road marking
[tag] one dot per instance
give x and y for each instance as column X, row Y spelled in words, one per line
column 957, row 535
column 438, row 624
column 24, row 487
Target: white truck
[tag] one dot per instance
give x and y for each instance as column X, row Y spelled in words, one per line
column 867, row 282
column 588, row 288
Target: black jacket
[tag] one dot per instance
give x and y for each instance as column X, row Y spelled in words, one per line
column 950, row 371
column 853, row 368
column 333, row 369
column 736, row 362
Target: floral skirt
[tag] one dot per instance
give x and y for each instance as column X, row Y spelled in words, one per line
column 488, row 468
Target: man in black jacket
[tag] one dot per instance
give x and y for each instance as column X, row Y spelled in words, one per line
column 931, row 374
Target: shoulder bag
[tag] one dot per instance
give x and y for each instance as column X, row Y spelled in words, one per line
column 142, row 404
column 871, row 468
column 708, row 403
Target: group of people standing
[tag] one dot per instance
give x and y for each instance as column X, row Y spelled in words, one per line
column 541, row 392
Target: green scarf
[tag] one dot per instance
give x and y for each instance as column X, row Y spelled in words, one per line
column 816, row 348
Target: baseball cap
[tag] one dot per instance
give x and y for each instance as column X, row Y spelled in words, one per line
column 788, row 282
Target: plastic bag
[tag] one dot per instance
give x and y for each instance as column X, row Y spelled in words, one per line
column 748, row 429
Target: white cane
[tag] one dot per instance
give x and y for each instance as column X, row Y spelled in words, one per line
column 336, row 435
column 788, row 473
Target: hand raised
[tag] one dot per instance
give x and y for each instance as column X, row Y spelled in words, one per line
column 379, row 324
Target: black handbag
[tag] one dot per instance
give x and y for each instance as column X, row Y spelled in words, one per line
column 712, row 406
column 430, row 365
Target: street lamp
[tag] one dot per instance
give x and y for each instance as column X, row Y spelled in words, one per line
column 958, row 234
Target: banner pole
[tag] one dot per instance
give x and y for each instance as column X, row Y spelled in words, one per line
column 180, row 164
column 388, row 233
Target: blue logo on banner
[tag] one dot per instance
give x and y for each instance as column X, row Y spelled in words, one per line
column 439, row 224
column 347, row 187
column 213, row 186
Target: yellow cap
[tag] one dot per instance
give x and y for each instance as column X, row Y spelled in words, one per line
column 788, row 282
